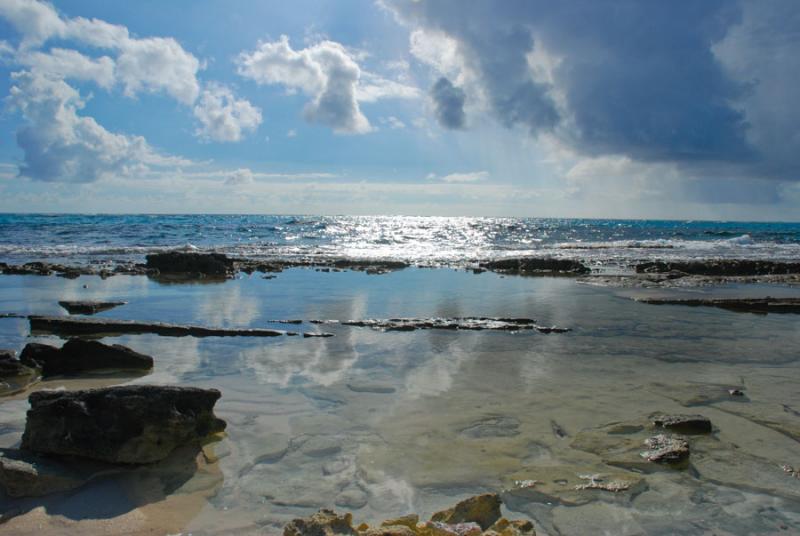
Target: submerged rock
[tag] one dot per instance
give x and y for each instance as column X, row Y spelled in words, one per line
column 14, row 374
column 536, row 266
column 28, row 475
column 573, row 485
column 88, row 307
column 664, row 448
column 684, row 424
column 191, row 264
column 481, row 509
column 128, row 424
column 79, row 355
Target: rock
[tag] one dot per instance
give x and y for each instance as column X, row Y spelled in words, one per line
column 15, row 376
column 409, row 521
column 572, row 485
column 684, row 424
column 390, row 530
column 323, row 523
column 79, row 355
column 481, row 509
column 29, row 475
column 127, row 424
column 663, row 448
column 742, row 305
column 437, row 528
column 88, row 307
column 59, row 325
column 720, row 267
column 312, row 334
column 536, row 266
column 504, row 527
column 469, row 323
column 191, row 264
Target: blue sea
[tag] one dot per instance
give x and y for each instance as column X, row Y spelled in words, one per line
column 79, row 239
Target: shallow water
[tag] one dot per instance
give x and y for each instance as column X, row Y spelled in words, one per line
column 382, row 424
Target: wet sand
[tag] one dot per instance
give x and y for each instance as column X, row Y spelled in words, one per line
column 387, row 423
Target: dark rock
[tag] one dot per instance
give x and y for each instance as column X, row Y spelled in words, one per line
column 667, row 449
column 127, row 424
column 191, row 264
column 684, row 424
column 469, row 323
column 323, row 523
column 721, row 267
column 744, row 305
column 59, row 325
column 310, row 334
column 15, row 375
column 536, row 265
column 88, row 307
column 79, row 355
column 481, row 509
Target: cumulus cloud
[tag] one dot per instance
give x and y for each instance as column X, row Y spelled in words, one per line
column 64, row 63
column 329, row 74
column 222, row 116
column 460, row 178
column 239, row 177
column 448, row 104
column 61, row 145
column 687, row 83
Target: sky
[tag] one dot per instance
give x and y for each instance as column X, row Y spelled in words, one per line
column 580, row 108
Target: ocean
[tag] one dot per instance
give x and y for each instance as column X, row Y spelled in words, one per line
column 418, row 240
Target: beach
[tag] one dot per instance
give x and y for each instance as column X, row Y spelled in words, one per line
column 382, row 422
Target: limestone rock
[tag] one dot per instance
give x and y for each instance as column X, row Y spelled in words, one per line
column 684, row 424
column 191, row 264
column 663, row 448
column 481, row 509
column 536, row 265
column 79, row 355
column 14, row 374
column 323, row 523
column 127, row 424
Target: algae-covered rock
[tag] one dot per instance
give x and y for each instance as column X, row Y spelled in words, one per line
column 437, row 528
column 504, row 527
column 481, row 509
column 663, row 448
column 323, row 523
column 409, row 521
column 390, row 530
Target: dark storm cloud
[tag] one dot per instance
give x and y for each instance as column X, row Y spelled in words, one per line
column 448, row 103
column 635, row 78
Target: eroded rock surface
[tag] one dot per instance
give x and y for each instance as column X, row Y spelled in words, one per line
column 469, row 323
column 684, row 424
column 720, row 267
column 127, row 424
column 191, row 264
column 79, row 355
column 536, row 266
column 88, row 307
column 572, row 485
column 663, row 448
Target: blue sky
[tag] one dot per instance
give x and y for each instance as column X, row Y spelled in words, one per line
column 521, row 108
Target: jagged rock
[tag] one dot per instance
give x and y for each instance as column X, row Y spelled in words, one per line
column 536, row 265
column 409, row 521
column 720, row 267
column 14, row 374
column 323, row 523
column 70, row 326
column 481, row 509
column 684, row 424
column 127, row 424
column 437, row 528
column 88, row 307
column 390, row 530
column 79, row 355
column 663, row 448
column 191, row 264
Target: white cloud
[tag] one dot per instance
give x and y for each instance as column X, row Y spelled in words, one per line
column 61, row 145
column 462, row 178
column 71, row 64
column 239, row 177
column 392, row 122
column 291, row 133
column 222, row 116
column 328, row 73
